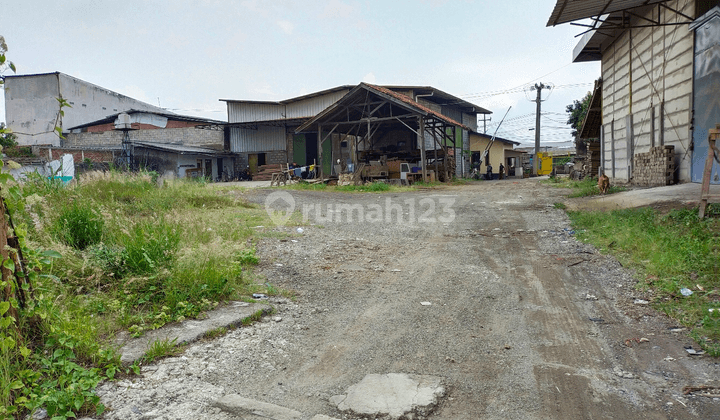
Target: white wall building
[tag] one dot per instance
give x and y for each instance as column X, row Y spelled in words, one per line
column 32, row 109
column 660, row 78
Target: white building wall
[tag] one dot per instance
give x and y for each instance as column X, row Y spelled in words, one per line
column 31, row 106
column 647, row 93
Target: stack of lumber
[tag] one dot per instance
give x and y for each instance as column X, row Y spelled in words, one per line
column 264, row 172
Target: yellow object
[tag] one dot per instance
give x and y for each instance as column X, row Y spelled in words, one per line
column 544, row 164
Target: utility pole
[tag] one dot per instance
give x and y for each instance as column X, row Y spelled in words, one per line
column 538, row 87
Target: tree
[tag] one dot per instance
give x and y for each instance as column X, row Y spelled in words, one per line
column 577, row 112
column 7, row 138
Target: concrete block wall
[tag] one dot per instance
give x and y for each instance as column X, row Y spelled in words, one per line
column 271, row 158
column 187, row 136
column 655, row 168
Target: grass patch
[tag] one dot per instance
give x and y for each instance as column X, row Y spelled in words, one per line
column 253, row 318
column 373, row 187
column 669, row 252
column 560, row 206
column 77, row 225
column 132, row 255
column 160, row 349
column 215, row 333
column 584, row 188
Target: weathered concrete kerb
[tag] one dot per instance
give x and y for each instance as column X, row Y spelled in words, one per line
column 396, row 394
column 188, row 331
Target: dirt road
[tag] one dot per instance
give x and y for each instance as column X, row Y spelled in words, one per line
column 524, row 321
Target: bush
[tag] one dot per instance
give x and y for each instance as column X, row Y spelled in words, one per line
column 78, row 225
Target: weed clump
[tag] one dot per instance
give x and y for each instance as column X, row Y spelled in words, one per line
column 78, row 225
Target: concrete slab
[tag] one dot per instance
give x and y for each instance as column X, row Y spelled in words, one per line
column 188, row 331
column 322, row 417
column 394, row 394
column 241, row 407
column 683, row 193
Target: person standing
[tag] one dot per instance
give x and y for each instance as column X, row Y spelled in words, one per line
column 489, row 174
column 502, row 171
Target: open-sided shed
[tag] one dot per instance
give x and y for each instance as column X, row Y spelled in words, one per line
column 373, row 123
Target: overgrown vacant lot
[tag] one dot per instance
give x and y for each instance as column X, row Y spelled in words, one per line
column 132, row 256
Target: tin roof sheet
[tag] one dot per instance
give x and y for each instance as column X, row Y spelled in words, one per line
column 571, row 10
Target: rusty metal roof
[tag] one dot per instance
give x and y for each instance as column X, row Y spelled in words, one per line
column 395, row 97
column 409, row 101
column 571, row 10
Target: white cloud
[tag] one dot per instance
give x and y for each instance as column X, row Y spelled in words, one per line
column 369, row 78
column 286, row 26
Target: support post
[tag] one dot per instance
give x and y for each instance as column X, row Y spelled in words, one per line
column 630, row 145
column 320, row 153
column 705, row 197
column 423, row 165
column 538, row 87
column 612, row 146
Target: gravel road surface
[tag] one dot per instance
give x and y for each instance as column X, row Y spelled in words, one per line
column 482, row 285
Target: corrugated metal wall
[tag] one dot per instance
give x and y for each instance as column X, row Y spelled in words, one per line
column 706, row 102
column 244, row 112
column 267, row 138
column 647, row 93
column 264, row 139
column 310, row 107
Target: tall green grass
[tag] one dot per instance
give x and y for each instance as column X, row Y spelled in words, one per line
column 669, row 252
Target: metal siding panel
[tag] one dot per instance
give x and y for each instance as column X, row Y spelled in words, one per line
column 310, row 107
column 241, row 112
column 264, row 139
column 706, row 102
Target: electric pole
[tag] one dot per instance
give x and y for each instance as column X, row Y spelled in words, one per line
column 538, row 87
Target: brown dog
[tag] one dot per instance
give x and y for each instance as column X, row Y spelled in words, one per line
column 603, row 184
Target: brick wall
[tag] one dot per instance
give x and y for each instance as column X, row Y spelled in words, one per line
column 187, row 136
column 654, row 168
column 55, row 153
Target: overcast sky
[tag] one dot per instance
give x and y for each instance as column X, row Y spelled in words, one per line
column 186, row 55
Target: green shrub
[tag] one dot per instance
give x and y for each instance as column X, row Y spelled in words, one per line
column 78, row 225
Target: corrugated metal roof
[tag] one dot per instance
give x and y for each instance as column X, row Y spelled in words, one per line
column 170, row 116
column 593, row 119
column 295, row 99
column 398, row 98
column 500, row 139
column 571, row 10
column 174, row 148
column 409, row 101
column 446, row 99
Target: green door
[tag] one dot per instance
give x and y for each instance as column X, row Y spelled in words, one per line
column 299, row 149
column 327, row 157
